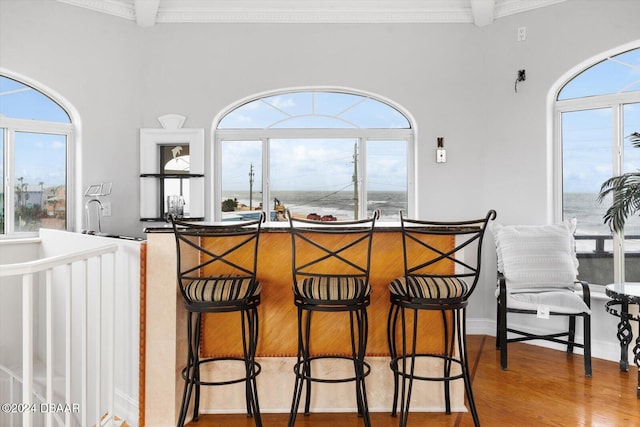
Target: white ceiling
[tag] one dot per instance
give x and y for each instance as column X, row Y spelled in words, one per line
column 147, row 13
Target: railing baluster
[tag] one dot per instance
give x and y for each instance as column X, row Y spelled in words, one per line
column 112, row 342
column 84, row 352
column 12, row 418
column 98, row 338
column 49, row 343
column 67, row 345
column 27, row 347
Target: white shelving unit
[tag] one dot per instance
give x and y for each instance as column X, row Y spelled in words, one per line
column 154, row 181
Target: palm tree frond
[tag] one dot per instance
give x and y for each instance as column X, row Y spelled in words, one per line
column 626, row 194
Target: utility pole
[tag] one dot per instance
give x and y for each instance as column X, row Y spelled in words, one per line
column 251, row 174
column 355, row 181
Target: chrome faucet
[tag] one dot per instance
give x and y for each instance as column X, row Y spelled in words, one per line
column 88, row 216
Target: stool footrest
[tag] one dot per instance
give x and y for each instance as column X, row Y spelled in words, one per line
column 396, row 363
column 256, row 370
column 298, row 369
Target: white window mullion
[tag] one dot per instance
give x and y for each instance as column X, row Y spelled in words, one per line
column 363, row 186
column 266, row 177
column 216, row 180
column 618, row 157
column 9, row 183
column 412, row 185
column 558, row 170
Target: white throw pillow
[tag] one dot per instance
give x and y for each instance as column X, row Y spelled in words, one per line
column 534, row 256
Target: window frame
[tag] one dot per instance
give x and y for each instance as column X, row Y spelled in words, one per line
column 11, row 126
column 265, row 135
column 616, row 103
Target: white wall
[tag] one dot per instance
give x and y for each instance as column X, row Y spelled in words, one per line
column 456, row 79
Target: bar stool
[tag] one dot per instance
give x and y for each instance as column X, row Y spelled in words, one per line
column 217, row 274
column 331, row 261
column 442, row 265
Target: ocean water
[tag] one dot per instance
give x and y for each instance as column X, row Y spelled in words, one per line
column 586, row 209
column 589, row 214
column 582, row 206
column 340, row 204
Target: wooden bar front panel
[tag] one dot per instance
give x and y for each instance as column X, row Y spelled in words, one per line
column 330, row 331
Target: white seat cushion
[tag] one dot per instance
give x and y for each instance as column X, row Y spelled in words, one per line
column 564, row 301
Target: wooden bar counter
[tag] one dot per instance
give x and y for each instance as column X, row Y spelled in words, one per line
column 165, row 333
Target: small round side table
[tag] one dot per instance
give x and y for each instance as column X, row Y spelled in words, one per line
column 623, row 294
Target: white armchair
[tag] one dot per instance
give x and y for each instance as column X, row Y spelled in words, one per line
column 537, row 274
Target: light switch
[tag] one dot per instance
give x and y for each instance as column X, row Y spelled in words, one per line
column 441, row 155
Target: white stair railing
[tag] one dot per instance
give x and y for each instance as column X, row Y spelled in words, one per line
column 82, row 272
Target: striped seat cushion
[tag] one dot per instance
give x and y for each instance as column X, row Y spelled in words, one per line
column 333, row 288
column 428, row 287
column 221, row 289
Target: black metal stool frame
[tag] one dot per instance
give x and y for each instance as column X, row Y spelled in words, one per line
column 305, row 232
column 470, row 232
column 189, row 235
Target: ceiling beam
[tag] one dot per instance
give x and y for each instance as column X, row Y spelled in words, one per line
column 146, row 12
column 483, row 12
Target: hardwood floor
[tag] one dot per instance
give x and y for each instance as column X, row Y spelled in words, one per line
column 542, row 387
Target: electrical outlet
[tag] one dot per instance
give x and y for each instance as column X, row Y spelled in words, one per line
column 106, row 208
column 522, row 34
column 441, row 155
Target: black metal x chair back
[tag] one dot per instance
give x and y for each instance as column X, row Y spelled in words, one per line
column 216, row 269
column 442, row 262
column 330, row 269
column 331, row 261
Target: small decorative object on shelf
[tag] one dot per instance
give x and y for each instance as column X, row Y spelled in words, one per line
column 171, row 171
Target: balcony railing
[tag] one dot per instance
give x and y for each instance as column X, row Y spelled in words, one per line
column 595, row 255
column 70, row 292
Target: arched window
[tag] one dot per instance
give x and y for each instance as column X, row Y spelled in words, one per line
column 596, row 111
column 319, row 153
column 35, row 138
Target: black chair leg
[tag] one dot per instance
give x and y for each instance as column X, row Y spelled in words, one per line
column 307, row 370
column 392, row 324
column 188, row 373
column 448, row 352
column 407, row 372
column 246, row 351
column 364, row 333
column 462, row 349
column 498, row 325
column 250, row 341
column 355, row 323
column 196, row 376
column 359, row 333
column 191, row 371
column 587, row 344
column 301, row 363
column 571, row 334
column 502, row 314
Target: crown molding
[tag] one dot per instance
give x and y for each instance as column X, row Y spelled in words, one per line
column 313, row 11
column 122, row 9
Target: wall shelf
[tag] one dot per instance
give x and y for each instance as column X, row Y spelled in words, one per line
column 172, row 175
column 158, row 149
